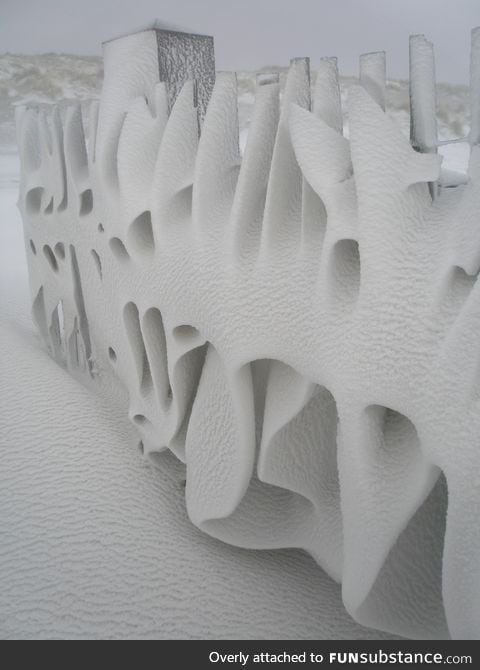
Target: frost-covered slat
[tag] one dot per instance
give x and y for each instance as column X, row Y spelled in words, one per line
column 283, row 207
column 218, row 159
column 373, row 75
column 174, row 169
column 327, row 104
column 138, row 147
column 249, row 201
column 475, row 87
column 423, row 98
column 423, row 120
column 183, row 57
column 75, row 150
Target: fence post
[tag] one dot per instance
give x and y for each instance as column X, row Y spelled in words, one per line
column 373, row 75
column 474, row 136
column 423, row 99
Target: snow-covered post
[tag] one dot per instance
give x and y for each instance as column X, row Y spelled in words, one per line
column 423, row 100
column 133, row 65
column 327, row 102
column 184, row 56
column 373, row 75
column 475, row 87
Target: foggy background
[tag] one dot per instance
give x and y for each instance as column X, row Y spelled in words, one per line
column 253, row 33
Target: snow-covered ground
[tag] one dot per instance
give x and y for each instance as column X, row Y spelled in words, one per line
column 93, row 541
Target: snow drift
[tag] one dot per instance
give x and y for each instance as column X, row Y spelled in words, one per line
column 297, row 324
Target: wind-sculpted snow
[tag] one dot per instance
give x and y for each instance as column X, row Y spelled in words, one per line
column 298, row 324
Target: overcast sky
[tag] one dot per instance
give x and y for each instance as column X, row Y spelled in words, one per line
column 253, row 33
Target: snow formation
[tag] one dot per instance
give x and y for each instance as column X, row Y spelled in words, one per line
column 298, row 324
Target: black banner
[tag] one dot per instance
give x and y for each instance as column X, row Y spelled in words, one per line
column 205, row 654
column 198, row 655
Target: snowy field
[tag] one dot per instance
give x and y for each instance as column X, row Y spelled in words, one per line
column 94, row 542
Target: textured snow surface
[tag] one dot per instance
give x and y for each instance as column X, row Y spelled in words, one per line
column 94, row 541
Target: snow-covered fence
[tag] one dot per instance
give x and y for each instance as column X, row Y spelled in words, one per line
column 298, row 324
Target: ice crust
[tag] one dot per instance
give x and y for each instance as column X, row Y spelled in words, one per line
column 298, row 325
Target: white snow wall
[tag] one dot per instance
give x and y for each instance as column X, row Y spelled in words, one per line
column 300, row 325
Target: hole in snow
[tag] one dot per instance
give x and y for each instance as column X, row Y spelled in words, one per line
column 191, row 365
column 97, row 262
column 61, row 320
column 137, row 345
column 140, row 420
column 462, row 283
column 300, row 447
column 60, row 251
column 118, row 249
column 397, row 429
column 140, row 235
column 57, row 333
column 39, row 313
column 112, row 355
column 84, row 330
column 101, row 229
column 345, row 270
column 32, row 247
column 33, row 200
column 86, row 202
column 50, row 256
column 394, row 439
column 49, row 207
column 63, row 205
column 186, row 334
column 156, row 352
column 297, row 464
column 456, row 288
column 414, row 562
